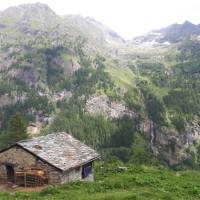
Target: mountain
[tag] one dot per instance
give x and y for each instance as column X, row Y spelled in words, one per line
column 172, row 34
column 32, row 22
column 135, row 102
column 27, row 19
column 109, row 34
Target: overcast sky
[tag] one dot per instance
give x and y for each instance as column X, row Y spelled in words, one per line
column 128, row 18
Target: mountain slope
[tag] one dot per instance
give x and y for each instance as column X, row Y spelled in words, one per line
column 128, row 100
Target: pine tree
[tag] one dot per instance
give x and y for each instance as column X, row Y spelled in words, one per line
column 17, row 128
column 16, row 131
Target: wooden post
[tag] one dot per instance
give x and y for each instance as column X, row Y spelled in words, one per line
column 14, row 178
column 25, row 179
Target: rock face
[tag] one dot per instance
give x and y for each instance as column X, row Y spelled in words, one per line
column 109, row 34
column 193, row 131
column 29, row 77
column 68, row 66
column 8, row 100
column 5, row 100
column 172, row 145
column 101, row 105
column 71, row 66
column 64, row 95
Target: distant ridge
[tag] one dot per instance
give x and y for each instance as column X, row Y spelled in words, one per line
column 173, row 33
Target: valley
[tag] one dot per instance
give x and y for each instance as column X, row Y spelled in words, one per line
column 136, row 101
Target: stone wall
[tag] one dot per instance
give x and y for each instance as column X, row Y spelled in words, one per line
column 76, row 175
column 72, row 175
column 89, row 178
column 19, row 158
column 2, row 172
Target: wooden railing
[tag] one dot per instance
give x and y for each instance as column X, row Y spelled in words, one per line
column 30, row 177
column 27, row 177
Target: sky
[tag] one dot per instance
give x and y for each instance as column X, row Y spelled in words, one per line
column 129, row 18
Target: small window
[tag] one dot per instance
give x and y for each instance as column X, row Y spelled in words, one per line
column 86, row 170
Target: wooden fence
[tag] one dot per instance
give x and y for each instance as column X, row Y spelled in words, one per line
column 27, row 178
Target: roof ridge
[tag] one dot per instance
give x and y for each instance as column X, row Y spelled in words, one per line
column 60, row 149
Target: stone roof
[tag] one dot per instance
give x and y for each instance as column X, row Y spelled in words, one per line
column 60, row 150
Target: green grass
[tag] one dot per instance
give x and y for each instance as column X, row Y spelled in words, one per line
column 123, row 77
column 68, row 57
column 141, row 183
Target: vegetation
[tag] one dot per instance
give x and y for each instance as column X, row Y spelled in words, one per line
column 39, row 64
column 115, row 181
column 113, row 137
column 160, row 85
column 16, row 131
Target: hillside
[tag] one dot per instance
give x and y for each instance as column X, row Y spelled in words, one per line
column 137, row 101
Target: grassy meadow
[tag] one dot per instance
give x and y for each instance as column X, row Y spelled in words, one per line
column 122, row 183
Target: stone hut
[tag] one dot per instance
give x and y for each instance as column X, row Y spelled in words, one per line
column 54, row 158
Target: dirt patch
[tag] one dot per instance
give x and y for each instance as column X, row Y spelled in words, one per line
column 5, row 187
column 14, row 188
column 30, row 189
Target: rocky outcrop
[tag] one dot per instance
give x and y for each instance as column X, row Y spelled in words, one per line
column 60, row 96
column 68, row 66
column 170, row 144
column 29, row 77
column 101, row 105
column 192, row 131
column 5, row 100
column 167, row 143
column 8, row 100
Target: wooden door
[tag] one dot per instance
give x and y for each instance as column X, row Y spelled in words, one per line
column 10, row 173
